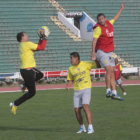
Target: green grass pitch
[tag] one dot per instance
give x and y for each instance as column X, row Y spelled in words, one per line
column 50, row 116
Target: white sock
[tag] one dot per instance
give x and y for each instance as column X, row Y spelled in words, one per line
column 124, row 93
column 90, row 126
column 82, row 126
column 114, row 92
column 12, row 104
column 108, row 89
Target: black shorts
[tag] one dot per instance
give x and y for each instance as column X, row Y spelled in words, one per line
column 30, row 75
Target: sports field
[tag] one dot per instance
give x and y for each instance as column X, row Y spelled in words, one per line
column 49, row 116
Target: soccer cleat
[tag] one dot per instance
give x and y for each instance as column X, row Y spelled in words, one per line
column 13, row 108
column 124, row 93
column 117, row 97
column 108, row 94
column 90, row 131
column 22, row 87
column 81, row 130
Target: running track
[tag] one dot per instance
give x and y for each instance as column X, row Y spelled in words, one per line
column 62, row 86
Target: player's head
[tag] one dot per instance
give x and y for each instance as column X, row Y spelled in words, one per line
column 74, row 58
column 116, row 61
column 101, row 19
column 22, row 37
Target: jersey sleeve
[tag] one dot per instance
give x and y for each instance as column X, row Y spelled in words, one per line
column 69, row 75
column 90, row 65
column 121, row 68
column 97, row 32
column 32, row 46
column 112, row 21
column 41, row 45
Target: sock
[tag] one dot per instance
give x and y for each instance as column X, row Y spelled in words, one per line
column 12, row 104
column 114, row 92
column 90, row 126
column 124, row 93
column 108, row 89
column 82, row 126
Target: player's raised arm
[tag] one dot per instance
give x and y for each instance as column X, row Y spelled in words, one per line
column 41, row 45
column 43, row 34
column 116, row 17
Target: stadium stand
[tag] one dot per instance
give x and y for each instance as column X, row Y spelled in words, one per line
column 126, row 37
column 28, row 16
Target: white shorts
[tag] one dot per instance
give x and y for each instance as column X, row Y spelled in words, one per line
column 105, row 59
column 81, row 97
column 119, row 81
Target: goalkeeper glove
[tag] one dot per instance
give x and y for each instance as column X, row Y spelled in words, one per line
column 43, row 32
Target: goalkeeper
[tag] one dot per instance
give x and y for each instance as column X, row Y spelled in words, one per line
column 27, row 65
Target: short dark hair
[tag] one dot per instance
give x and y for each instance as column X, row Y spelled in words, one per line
column 19, row 36
column 100, row 14
column 75, row 54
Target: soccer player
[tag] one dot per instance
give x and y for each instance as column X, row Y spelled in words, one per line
column 27, row 68
column 118, row 72
column 79, row 75
column 102, row 49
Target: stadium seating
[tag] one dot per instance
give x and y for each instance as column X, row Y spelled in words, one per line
column 127, row 31
column 28, row 16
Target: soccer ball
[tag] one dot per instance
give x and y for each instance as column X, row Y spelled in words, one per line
column 44, row 30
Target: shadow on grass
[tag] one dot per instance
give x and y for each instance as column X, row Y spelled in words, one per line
column 6, row 128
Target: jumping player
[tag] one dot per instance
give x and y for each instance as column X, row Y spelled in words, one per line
column 118, row 72
column 102, row 49
column 27, row 68
column 79, row 75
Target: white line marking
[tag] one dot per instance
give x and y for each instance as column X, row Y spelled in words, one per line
column 62, row 88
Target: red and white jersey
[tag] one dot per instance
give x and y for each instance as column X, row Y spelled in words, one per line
column 105, row 41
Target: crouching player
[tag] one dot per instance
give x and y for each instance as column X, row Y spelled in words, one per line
column 27, row 68
column 118, row 71
column 79, row 75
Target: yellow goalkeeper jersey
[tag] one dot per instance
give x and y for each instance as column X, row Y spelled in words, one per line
column 27, row 54
column 80, row 75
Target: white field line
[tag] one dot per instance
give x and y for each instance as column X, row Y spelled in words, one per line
column 59, row 88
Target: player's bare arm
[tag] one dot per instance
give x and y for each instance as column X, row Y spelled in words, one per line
column 116, row 17
column 69, row 85
column 93, row 54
